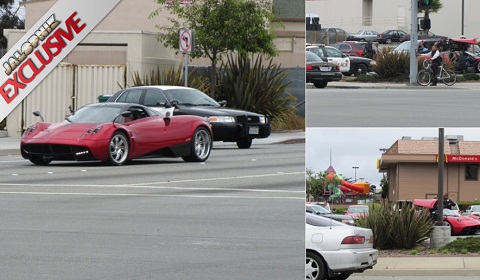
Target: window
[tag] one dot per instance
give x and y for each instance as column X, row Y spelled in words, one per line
column 154, row 97
column 131, row 96
column 471, row 172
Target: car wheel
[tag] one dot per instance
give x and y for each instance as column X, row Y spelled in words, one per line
column 321, row 84
column 39, row 160
column 340, row 276
column 360, row 69
column 118, row 149
column 244, row 143
column 201, row 146
column 388, row 41
column 314, row 267
column 477, row 67
column 362, row 40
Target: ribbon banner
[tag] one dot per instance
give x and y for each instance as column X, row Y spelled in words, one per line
column 45, row 45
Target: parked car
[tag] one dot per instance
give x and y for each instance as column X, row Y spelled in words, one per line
column 405, row 46
column 460, row 225
column 427, row 36
column 319, row 210
column 472, row 60
column 326, row 35
column 319, row 72
column 115, row 133
column 364, row 36
column 389, row 36
column 228, row 125
column 335, row 250
column 473, row 210
column 357, row 211
column 360, row 66
column 352, row 48
column 331, row 54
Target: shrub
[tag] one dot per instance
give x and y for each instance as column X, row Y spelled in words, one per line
column 460, row 245
column 289, row 121
column 397, row 229
column 170, row 76
column 471, row 76
column 392, row 64
column 248, row 82
column 367, row 78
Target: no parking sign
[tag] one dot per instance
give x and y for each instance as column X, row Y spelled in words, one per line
column 186, row 40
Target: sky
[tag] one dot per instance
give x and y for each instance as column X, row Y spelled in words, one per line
column 360, row 147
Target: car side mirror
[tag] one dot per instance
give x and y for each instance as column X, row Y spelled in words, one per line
column 38, row 114
column 164, row 104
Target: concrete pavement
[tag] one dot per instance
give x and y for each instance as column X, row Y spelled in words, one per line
column 11, row 145
column 459, row 262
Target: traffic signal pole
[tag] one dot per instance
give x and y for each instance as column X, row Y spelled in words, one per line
column 413, row 42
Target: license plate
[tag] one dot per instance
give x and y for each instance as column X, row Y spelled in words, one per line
column 324, row 68
column 253, row 130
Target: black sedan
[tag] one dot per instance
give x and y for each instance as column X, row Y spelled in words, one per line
column 320, row 72
column 429, row 36
column 389, row 36
column 228, row 125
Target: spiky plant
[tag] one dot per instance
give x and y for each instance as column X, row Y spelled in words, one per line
column 392, row 64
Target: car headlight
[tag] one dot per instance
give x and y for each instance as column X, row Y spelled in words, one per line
column 223, row 119
column 93, row 130
column 262, row 119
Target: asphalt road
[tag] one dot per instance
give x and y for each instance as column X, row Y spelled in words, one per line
column 410, row 107
column 240, row 215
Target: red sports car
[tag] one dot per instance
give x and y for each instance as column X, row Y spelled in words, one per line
column 115, row 133
column 459, row 224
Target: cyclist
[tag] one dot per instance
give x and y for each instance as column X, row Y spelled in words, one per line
column 436, row 62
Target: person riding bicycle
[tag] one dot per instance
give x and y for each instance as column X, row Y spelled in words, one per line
column 436, row 62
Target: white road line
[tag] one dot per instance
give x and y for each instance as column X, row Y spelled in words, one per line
column 153, row 195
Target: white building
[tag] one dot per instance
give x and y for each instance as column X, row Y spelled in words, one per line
column 381, row 15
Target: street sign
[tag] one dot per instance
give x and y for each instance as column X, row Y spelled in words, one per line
column 186, row 40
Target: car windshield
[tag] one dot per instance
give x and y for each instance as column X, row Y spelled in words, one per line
column 317, row 51
column 319, row 209
column 312, row 57
column 189, row 97
column 358, row 210
column 95, row 114
column 448, row 212
column 403, row 47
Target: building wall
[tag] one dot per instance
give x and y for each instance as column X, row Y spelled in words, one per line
column 396, row 15
column 420, row 180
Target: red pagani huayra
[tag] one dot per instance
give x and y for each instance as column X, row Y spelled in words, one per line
column 115, row 133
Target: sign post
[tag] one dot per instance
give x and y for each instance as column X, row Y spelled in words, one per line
column 186, row 44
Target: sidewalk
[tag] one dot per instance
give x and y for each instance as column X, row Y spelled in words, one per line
column 386, row 85
column 414, row 265
column 11, row 145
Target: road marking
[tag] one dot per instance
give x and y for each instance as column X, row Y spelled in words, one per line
column 154, row 195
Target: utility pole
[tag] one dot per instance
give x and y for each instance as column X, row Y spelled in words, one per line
column 441, row 140
column 413, row 42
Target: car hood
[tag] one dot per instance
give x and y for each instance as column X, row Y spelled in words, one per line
column 64, row 131
column 208, row 111
column 360, row 59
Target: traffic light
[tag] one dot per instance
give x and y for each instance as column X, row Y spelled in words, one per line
column 425, row 4
column 313, row 23
column 425, row 24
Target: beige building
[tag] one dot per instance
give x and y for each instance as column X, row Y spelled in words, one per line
column 412, row 169
column 124, row 42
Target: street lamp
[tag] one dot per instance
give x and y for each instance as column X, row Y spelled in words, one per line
column 355, row 167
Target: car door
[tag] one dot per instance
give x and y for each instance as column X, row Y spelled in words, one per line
column 338, row 58
column 155, row 99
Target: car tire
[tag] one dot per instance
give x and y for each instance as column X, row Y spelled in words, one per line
column 360, row 69
column 388, row 41
column 477, row 67
column 363, row 40
column 340, row 276
column 347, row 73
column 200, row 146
column 118, row 149
column 321, row 84
column 39, row 160
column 315, row 268
column 244, row 143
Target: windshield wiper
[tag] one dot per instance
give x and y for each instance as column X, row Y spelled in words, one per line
column 206, row 104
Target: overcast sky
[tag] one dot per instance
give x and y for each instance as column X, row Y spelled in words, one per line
column 360, row 147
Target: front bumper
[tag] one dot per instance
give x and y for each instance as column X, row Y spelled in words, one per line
column 232, row 132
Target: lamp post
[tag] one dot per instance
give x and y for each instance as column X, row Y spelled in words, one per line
column 355, row 167
column 463, row 16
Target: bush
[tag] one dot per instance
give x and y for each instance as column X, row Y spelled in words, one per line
column 471, row 77
column 397, row 229
column 463, row 205
column 248, row 82
column 392, row 64
column 367, row 78
column 463, row 245
column 289, row 121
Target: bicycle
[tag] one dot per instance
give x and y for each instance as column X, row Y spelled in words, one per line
column 424, row 77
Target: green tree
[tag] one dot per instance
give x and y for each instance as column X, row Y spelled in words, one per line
column 243, row 26
column 436, row 6
column 9, row 20
column 317, row 182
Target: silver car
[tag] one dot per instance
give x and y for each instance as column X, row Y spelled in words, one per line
column 364, row 36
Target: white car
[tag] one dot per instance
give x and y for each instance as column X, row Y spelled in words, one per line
column 332, row 55
column 473, row 210
column 335, row 250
